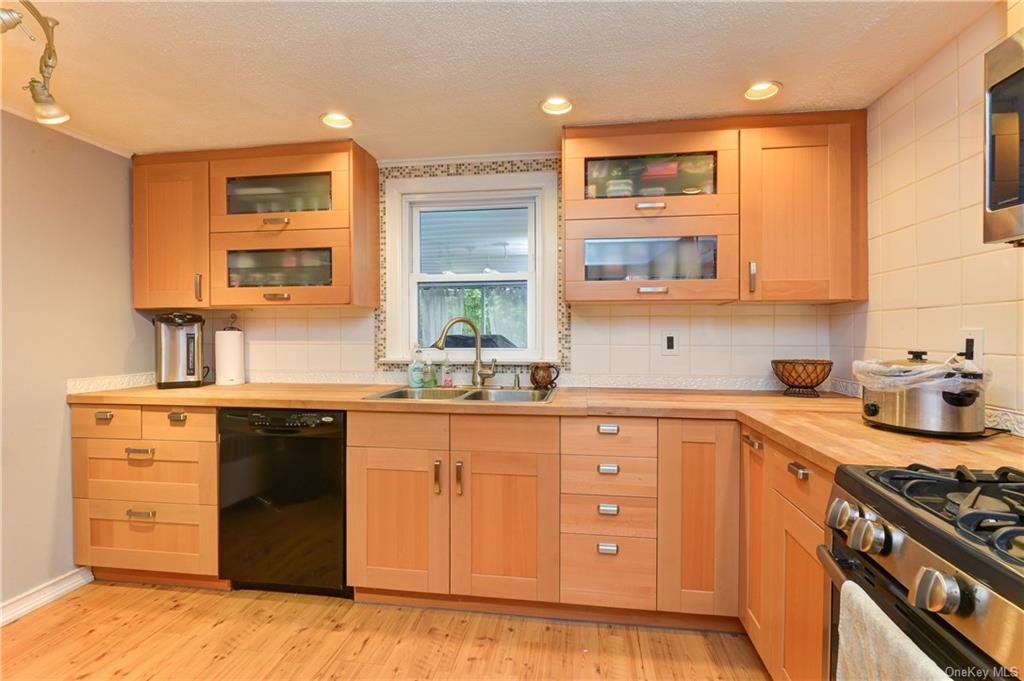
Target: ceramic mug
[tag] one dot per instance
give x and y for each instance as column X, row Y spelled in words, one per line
column 543, row 375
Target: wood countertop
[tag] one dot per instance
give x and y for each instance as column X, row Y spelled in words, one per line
column 827, row 431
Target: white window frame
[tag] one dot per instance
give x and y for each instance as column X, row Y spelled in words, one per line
column 405, row 198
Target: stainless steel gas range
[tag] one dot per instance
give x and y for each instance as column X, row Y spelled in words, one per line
column 941, row 552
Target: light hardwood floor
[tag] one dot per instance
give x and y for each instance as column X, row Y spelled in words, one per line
column 114, row 631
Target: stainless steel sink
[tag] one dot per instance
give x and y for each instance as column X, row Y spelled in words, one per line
column 509, row 395
column 421, row 394
column 495, row 394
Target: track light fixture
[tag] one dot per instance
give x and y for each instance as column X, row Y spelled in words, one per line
column 47, row 111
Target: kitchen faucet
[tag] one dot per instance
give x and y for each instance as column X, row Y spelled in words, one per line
column 480, row 375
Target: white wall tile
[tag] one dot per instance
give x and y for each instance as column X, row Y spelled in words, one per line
column 325, row 356
column 938, row 194
column 899, row 249
column 796, row 331
column 942, row 64
column 754, row 360
column 589, row 330
column 970, row 82
column 980, row 35
column 899, row 289
column 629, row 331
column 939, row 327
column 1002, row 325
column 672, row 365
column 899, row 329
column 972, row 131
column 590, row 359
column 936, row 106
column 992, row 277
column 971, row 184
column 750, row 330
column 326, row 330
column 357, row 329
column 711, row 331
column 1002, row 392
column 629, row 359
column 937, row 150
column 898, row 169
column 898, row 130
column 938, row 239
column 939, row 284
column 710, row 360
column 292, row 357
column 895, row 99
column 357, row 357
column 899, row 209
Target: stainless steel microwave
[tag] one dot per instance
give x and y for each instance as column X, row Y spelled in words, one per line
column 1004, row 160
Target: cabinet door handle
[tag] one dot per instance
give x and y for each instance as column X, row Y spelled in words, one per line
column 608, row 468
column 104, row 416
column 197, row 282
column 146, row 515
column 277, row 221
column 608, row 509
column 608, row 428
column 752, row 275
column 437, row 476
column 148, row 452
column 608, row 548
column 277, row 296
column 798, row 471
column 177, row 416
column 646, row 205
column 458, row 478
column 751, row 442
column 652, row 289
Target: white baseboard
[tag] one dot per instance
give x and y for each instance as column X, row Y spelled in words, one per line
column 22, row 605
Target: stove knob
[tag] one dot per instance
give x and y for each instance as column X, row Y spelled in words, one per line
column 934, row 591
column 868, row 536
column 841, row 514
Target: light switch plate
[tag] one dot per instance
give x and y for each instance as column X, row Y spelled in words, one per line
column 670, row 342
column 978, row 336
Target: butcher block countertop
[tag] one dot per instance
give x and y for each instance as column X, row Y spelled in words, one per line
column 828, row 431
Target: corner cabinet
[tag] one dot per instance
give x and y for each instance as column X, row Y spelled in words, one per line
column 283, row 225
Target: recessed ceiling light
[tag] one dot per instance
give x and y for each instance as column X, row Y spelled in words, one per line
column 556, row 106
column 333, row 119
column 763, row 90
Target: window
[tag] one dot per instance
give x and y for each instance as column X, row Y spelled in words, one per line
column 481, row 247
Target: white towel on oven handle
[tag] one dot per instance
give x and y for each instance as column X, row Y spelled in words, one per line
column 873, row 648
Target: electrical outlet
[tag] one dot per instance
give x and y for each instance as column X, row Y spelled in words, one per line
column 670, row 342
column 972, row 342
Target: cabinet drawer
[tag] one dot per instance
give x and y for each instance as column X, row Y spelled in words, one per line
column 516, row 434
column 810, row 494
column 620, row 516
column 140, row 535
column 616, row 475
column 600, row 435
column 196, row 424
column 605, row 570
column 397, row 431
column 145, row 470
column 100, row 420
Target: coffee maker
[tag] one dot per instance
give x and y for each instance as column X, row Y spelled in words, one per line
column 179, row 350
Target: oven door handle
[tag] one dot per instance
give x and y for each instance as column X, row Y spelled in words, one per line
column 831, row 565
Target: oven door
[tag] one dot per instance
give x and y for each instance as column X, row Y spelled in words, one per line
column 950, row 651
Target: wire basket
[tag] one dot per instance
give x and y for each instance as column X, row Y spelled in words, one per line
column 802, row 376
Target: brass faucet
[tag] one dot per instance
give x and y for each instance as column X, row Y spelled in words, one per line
column 480, row 375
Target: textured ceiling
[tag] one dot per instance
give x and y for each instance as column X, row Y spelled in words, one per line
column 433, row 79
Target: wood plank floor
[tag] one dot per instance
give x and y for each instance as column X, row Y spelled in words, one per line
column 118, row 631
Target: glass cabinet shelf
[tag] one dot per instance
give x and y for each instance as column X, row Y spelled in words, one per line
column 279, row 267
column 650, row 176
column 279, row 193
column 644, row 259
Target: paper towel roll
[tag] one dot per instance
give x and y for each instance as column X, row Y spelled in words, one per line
column 229, row 356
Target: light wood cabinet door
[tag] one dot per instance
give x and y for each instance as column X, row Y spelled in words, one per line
column 504, row 529
column 801, row 237
column 800, row 622
column 698, row 527
column 753, row 499
column 398, row 519
column 171, row 235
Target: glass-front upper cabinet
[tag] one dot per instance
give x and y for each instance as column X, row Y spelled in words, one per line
column 280, row 193
column 646, row 175
column 676, row 258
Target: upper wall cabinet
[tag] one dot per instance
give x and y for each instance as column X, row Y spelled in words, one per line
column 284, row 225
column 171, row 235
column 796, row 214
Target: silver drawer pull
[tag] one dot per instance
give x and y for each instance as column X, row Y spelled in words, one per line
column 277, row 296
column 800, row 472
column 146, row 515
column 277, row 221
column 608, row 468
column 751, row 442
column 644, row 205
column 104, row 416
column 608, row 549
column 608, row 428
column 149, row 452
column 177, row 416
column 652, row 289
column 608, row 509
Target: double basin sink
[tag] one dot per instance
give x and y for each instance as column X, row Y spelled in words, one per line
column 495, row 394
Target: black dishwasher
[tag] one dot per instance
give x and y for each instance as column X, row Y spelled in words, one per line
column 282, row 499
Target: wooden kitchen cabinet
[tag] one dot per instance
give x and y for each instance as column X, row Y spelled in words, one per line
column 800, row 236
column 698, row 526
column 504, row 524
column 398, row 519
column 754, row 497
column 170, row 234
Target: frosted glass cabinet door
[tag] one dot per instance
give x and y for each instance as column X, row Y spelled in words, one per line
column 280, row 193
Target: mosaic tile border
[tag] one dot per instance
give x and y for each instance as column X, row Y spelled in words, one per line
column 544, row 163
